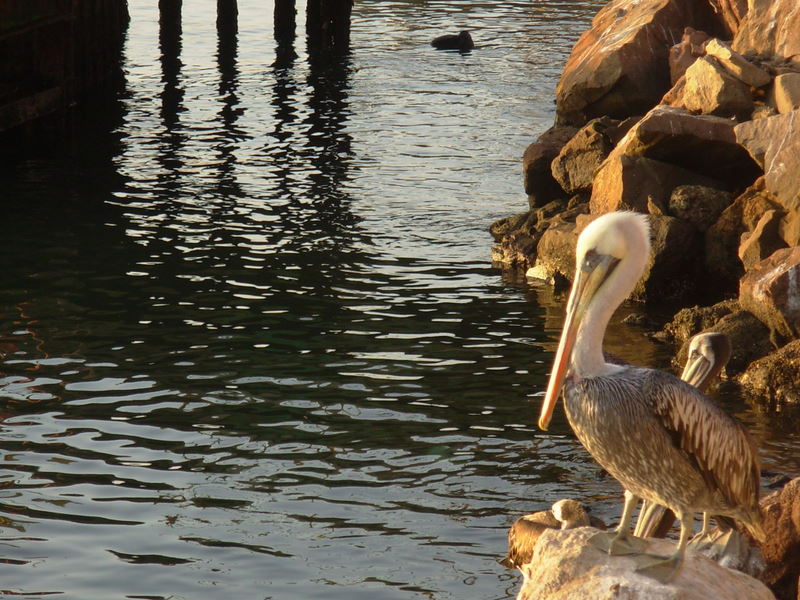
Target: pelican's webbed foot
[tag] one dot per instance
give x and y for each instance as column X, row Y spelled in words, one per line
column 660, row 568
column 618, row 543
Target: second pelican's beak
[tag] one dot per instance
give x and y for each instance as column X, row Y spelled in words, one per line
column 708, row 354
column 696, row 370
column 589, row 276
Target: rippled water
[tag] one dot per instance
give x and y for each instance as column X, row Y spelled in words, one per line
column 253, row 347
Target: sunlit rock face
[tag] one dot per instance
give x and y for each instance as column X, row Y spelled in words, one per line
column 564, row 566
column 771, row 291
column 782, row 523
column 769, row 30
column 619, row 67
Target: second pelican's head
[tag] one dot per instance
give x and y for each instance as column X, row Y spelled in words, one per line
column 708, row 354
column 609, row 259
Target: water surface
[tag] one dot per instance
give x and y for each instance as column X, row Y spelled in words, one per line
column 253, row 346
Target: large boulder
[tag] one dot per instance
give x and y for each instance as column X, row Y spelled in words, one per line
column 774, row 142
column 619, row 66
column 775, row 378
column 771, row 291
column 723, row 237
column 626, row 182
column 579, row 159
column 555, row 257
column 537, row 177
column 790, row 228
column 565, row 567
column 710, row 89
column 684, row 53
column 731, row 12
column 781, row 550
column 736, row 64
column 762, row 241
column 704, row 144
column 785, row 93
column 769, row 29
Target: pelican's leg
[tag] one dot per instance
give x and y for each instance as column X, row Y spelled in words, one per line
column 664, row 568
column 650, row 512
column 705, row 530
column 698, row 541
column 621, row 542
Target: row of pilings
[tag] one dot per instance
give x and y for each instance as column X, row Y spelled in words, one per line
column 56, row 54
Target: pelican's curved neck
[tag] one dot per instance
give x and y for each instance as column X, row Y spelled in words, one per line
column 587, row 354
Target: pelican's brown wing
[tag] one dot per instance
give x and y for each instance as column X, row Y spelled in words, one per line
column 523, row 534
column 719, row 446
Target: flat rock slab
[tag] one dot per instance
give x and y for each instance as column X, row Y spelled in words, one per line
column 565, row 567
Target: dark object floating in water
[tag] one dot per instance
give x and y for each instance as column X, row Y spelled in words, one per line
column 451, row 41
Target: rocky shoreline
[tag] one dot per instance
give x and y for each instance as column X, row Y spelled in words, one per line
column 688, row 111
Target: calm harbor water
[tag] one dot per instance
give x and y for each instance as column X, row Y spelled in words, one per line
column 252, row 344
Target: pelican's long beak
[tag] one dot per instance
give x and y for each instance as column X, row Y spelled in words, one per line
column 589, row 276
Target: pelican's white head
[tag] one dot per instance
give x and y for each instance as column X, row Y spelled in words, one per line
column 570, row 513
column 610, row 257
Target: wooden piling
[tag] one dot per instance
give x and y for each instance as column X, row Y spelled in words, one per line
column 284, row 22
column 328, row 25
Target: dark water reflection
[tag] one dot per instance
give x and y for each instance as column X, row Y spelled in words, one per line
column 252, row 345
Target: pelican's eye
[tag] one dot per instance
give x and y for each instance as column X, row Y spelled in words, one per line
column 590, row 260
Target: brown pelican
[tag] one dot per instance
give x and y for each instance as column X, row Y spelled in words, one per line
column 525, row 532
column 661, row 438
column 708, row 354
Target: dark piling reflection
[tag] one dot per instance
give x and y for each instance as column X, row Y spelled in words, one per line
column 285, row 25
column 172, row 93
column 227, row 48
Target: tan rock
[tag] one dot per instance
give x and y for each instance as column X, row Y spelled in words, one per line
column 619, row 65
column 771, row 291
column 782, row 523
column 761, row 137
column 537, row 178
column 556, row 251
column 774, row 143
column 775, row 381
column 785, row 95
column 790, row 228
column 581, row 156
column 683, row 54
column 629, row 182
column 736, row 64
column 769, row 29
column 566, row 567
column 674, row 96
column 731, row 12
column 704, row 144
column 762, row 241
column 710, row 89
